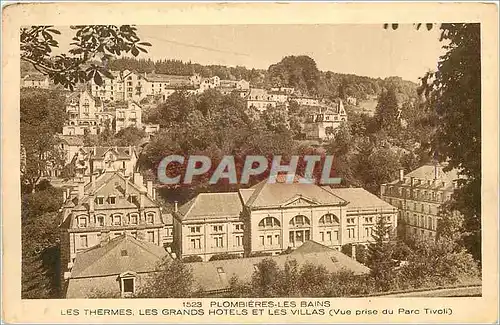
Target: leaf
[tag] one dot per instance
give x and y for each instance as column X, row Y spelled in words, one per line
column 135, row 51
column 55, row 31
column 145, row 43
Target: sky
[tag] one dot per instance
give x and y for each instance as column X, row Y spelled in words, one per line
column 367, row 50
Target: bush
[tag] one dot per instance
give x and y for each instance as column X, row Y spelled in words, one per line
column 35, row 204
column 192, row 259
column 224, row 256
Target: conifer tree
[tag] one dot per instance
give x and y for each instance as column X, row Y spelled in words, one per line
column 380, row 255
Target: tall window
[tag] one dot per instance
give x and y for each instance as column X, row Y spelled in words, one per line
column 117, row 220
column 151, row 236
column 195, row 243
column 82, row 222
column 84, row 241
column 133, row 219
column 150, row 218
column 100, row 221
column 218, row 241
column 269, row 222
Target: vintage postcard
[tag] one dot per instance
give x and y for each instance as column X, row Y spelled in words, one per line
column 250, row 163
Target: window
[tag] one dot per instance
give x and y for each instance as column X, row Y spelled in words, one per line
column 82, row 222
column 269, row 240
column 117, row 220
column 350, row 232
column 261, row 240
column 112, row 199
column 150, row 218
column 128, row 285
column 195, row 229
column 322, row 235
column 220, row 270
column 269, row 222
column 300, row 220
column 218, row 228
column 100, row 221
column 100, row 200
column 368, row 219
column 84, row 241
column 350, row 220
column 133, row 198
column 239, row 240
column 151, row 236
column 329, row 235
column 133, row 219
column 276, row 239
column 328, row 219
column 238, row 227
column 195, row 243
column 367, row 231
column 429, row 223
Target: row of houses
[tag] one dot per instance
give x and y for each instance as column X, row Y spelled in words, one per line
column 109, row 210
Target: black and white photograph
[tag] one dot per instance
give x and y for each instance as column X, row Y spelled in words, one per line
column 284, row 164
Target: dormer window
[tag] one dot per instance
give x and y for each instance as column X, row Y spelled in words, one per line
column 100, row 200
column 150, row 218
column 100, row 221
column 112, row 199
column 82, row 222
column 127, row 283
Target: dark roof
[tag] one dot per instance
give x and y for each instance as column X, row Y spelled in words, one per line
column 100, row 152
column 211, row 205
column 215, row 275
column 110, row 258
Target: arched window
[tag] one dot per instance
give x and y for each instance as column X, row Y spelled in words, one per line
column 300, row 220
column 329, row 219
column 269, row 222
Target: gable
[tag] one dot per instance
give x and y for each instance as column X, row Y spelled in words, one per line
column 300, row 202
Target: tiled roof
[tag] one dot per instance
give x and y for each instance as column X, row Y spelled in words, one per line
column 110, row 258
column 215, row 275
column 280, row 193
column 120, row 152
column 156, row 77
column 427, row 172
column 359, row 198
column 211, row 205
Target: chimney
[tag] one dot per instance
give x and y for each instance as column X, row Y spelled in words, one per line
column 353, row 251
column 150, row 188
column 81, row 190
column 91, row 202
column 138, row 179
column 176, row 207
column 154, row 193
column 65, row 195
column 436, row 171
column 401, row 175
column 412, row 181
column 141, row 200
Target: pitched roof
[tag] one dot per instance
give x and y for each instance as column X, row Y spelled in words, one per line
column 159, row 77
column 121, row 254
column 280, row 193
column 427, row 172
column 215, row 275
column 211, row 205
column 100, row 152
column 359, row 198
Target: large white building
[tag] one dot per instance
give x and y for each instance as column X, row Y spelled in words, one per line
column 418, row 196
column 272, row 217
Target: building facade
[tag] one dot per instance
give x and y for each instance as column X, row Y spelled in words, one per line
column 35, row 81
column 107, row 206
column 82, row 109
column 127, row 115
column 322, row 123
column 273, row 217
column 418, row 196
column 103, row 159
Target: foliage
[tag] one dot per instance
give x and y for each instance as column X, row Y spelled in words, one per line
column 224, row 256
column 438, row 263
column 42, row 114
column 299, row 72
column 380, row 253
column 361, row 252
column 174, row 279
column 387, row 113
column 40, row 202
column 313, row 280
column 129, row 136
column 192, row 259
column 40, row 264
column 90, row 42
column 266, row 279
